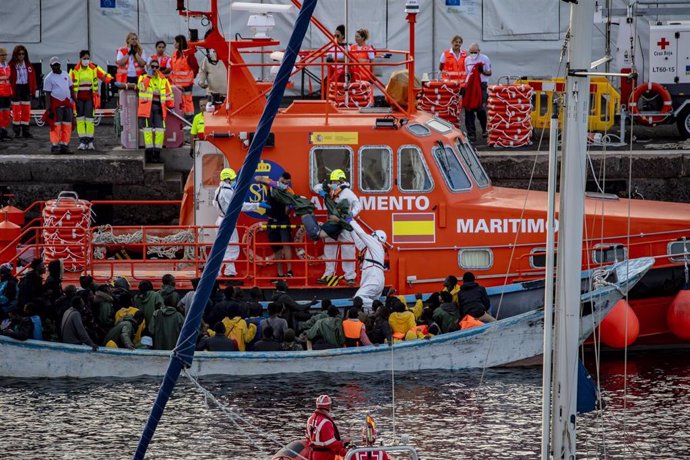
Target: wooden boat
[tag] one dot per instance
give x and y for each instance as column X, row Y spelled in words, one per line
column 508, row 341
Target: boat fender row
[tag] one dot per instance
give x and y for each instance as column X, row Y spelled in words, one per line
column 509, row 119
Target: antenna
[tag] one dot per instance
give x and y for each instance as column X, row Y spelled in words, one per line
column 261, row 21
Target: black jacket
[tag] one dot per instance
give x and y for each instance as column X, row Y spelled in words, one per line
column 217, row 343
column 473, row 300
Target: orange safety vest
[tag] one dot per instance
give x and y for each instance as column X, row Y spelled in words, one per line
column 182, row 73
column 150, row 90
column 422, row 328
column 362, row 54
column 353, row 331
column 469, row 321
column 5, row 86
column 454, row 68
column 163, row 60
column 121, row 75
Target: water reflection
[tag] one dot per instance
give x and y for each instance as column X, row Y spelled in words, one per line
column 449, row 415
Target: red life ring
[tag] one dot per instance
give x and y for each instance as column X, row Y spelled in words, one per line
column 650, row 87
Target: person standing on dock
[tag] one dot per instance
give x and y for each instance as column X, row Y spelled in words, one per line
column 322, row 433
column 5, row 95
column 23, row 81
column 483, row 70
column 452, row 61
column 130, row 61
column 155, row 98
column 58, row 89
column 221, row 201
column 85, row 76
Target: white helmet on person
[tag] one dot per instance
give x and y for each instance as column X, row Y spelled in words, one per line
column 323, row 402
column 380, row 235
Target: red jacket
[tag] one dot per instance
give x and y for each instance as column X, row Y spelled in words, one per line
column 472, row 100
column 323, row 436
column 30, row 72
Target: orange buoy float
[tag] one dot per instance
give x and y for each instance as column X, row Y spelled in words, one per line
column 651, row 91
column 442, row 98
column 621, row 327
column 359, row 94
column 509, row 121
column 66, row 222
column 678, row 314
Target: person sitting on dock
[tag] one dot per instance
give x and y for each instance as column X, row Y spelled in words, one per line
column 322, row 432
column 218, row 342
column 268, row 342
column 447, row 314
column 327, row 332
column 221, row 201
column 473, row 299
column 354, row 330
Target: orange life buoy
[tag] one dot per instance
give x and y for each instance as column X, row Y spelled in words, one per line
column 247, row 239
column 658, row 89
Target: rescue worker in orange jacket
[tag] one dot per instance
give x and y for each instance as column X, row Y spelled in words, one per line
column 184, row 69
column 363, row 53
column 85, row 76
column 355, row 330
column 130, row 61
column 23, row 81
column 322, row 433
column 163, row 59
column 5, row 95
column 155, row 98
column 452, row 62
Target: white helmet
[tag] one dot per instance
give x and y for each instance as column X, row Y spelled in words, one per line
column 379, row 235
column 323, row 402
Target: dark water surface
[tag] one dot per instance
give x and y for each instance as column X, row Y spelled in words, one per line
column 449, row 415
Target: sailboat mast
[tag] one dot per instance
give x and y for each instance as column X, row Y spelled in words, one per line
column 571, row 212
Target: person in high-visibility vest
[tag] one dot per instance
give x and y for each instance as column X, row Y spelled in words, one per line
column 85, row 76
column 163, row 59
column 197, row 131
column 5, row 95
column 364, row 53
column 155, row 98
column 184, row 68
column 452, row 61
column 130, row 61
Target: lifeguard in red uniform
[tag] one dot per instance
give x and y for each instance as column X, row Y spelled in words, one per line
column 323, row 435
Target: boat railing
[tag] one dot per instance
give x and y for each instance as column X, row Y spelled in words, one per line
column 398, row 449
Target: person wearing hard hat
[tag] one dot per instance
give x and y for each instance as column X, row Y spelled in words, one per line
column 221, row 200
column 373, row 253
column 338, row 190
column 322, row 433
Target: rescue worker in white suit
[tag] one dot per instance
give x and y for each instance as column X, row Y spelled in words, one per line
column 372, row 264
column 221, row 201
column 339, row 191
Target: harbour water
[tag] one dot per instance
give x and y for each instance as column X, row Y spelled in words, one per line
column 449, row 415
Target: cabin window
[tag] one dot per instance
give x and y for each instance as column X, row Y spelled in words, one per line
column 324, row 160
column 451, row 169
column 418, row 130
column 679, row 250
column 609, row 253
column 413, row 172
column 375, row 165
column 439, row 125
column 475, row 259
column 537, row 258
column 468, row 154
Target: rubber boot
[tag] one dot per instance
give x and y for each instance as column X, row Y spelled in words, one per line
column 3, row 135
column 17, row 130
column 148, row 155
column 156, row 156
column 25, row 132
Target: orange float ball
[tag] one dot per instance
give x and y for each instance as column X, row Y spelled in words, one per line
column 614, row 332
column 678, row 315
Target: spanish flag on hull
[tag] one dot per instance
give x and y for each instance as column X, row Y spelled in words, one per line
column 418, row 227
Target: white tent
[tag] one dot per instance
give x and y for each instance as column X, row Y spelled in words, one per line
column 520, row 37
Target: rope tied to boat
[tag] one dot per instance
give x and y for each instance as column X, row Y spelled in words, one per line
column 104, row 235
column 234, row 418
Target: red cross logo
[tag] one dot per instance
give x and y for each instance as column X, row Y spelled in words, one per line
column 663, row 43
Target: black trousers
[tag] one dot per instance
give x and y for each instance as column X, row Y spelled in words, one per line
column 480, row 114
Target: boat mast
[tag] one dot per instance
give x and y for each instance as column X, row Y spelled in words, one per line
column 571, row 212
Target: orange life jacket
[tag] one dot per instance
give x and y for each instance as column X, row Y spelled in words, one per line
column 121, row 75
column 182, row 73
column 362, row 54
column 353, row 331
column 454, row 68
column 469, row 321
column 5, row 86
column 422, row 329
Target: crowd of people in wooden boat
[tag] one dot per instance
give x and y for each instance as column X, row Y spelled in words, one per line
column 115, row 315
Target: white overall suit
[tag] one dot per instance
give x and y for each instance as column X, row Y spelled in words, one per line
column 221, row 201
column 347, row 251
column 373, row 279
